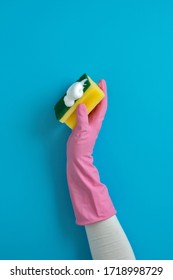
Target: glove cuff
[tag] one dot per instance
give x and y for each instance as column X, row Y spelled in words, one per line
column 90, row 198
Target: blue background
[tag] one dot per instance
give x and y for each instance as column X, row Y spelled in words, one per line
column 44, row 47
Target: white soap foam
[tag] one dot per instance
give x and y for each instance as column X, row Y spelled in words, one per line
column 74, row 92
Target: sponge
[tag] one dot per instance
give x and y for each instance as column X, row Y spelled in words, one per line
column 84, row 90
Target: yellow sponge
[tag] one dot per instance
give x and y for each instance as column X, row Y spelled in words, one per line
column 84, row 90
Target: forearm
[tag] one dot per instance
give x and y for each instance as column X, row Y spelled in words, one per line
column 90, row 198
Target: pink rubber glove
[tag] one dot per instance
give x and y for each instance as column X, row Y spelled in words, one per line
column 90, row 198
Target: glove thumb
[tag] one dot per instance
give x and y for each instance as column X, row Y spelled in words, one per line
column 82, row 117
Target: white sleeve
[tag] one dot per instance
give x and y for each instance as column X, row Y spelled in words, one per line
column 108, row 241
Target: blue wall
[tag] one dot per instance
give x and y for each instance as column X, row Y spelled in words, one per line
column 44, row 47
